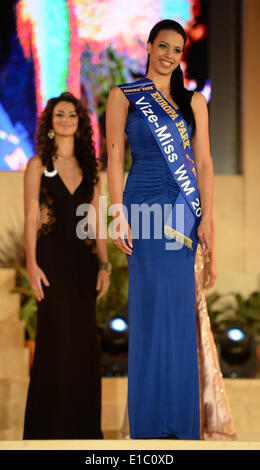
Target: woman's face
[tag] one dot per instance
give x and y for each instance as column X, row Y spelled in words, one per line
column 65, row 119
column 165, row 52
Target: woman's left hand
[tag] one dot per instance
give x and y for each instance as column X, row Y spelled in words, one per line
column 205, row 236
column 103, row 282
column 210, row 272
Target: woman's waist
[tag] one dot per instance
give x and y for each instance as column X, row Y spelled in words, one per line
column 147, row 155
column 149, row 177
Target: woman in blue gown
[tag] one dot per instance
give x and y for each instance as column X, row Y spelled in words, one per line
column 163, row 384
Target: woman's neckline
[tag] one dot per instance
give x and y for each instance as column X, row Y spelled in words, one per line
column 54, row 172
column 173, row 106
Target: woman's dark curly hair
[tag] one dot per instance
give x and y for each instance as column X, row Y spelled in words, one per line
column 84, row 149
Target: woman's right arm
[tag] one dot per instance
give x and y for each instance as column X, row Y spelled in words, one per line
column 32, row 179
column 116, row 115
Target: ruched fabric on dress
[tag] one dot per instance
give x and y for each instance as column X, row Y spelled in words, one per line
column 163, row 381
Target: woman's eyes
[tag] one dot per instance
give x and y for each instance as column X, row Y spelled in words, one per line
column 176, row 51
column 72, row 115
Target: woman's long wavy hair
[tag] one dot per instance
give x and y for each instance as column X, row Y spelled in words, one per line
column 84, row 149
column 180, row 95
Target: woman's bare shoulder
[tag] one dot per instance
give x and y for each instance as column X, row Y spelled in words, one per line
column 118, row 96
column 198, row 101
column 35, row 165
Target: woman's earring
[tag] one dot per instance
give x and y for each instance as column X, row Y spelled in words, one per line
column 77, row 134
column 51, row 134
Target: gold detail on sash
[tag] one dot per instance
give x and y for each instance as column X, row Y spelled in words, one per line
column 194, row 172
column 194, row 168
column 134, row 90
column 188, row 157
column 178, row 236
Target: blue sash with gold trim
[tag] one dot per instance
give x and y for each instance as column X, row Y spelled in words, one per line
column 172, row 136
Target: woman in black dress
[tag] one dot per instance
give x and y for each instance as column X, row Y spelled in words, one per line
column 64, row 397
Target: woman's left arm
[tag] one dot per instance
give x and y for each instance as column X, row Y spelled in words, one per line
column 204, row 165
column 103, row 279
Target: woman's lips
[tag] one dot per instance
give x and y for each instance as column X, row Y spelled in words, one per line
column 166, row 63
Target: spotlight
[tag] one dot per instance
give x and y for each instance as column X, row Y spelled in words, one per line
column 114, row 343
column 118, row 324
column 237, row 352
column 235, row 334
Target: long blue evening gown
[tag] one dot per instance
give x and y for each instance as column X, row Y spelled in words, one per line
column 163, row 385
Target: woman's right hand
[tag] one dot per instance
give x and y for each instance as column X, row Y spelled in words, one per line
column 36, row 277
column 122, row 234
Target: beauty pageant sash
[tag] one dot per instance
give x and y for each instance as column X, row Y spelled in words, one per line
column 167, row 126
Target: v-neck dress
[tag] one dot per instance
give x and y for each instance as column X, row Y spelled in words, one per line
column 64, row 396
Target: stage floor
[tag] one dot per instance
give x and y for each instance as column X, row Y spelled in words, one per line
column 128, row 444
column 243, row 394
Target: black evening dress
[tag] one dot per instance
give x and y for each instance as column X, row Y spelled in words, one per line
column 64, row 396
